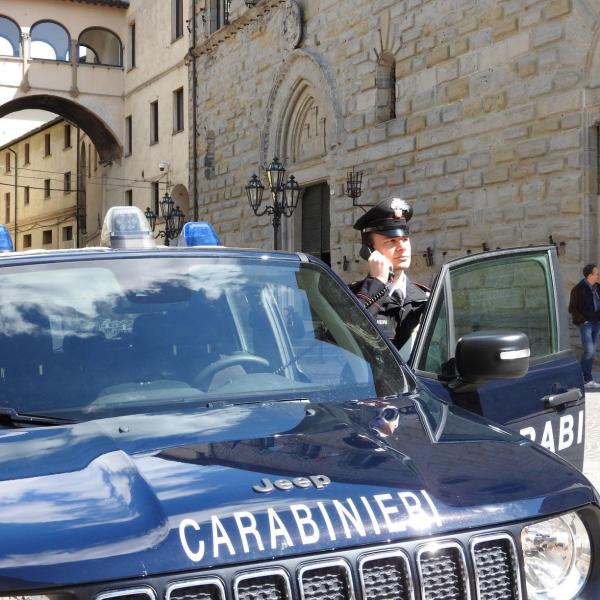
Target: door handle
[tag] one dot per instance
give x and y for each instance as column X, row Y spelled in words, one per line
column 556, row 400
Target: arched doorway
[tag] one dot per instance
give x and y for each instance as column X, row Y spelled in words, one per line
column 304, row 129
column 180, row 196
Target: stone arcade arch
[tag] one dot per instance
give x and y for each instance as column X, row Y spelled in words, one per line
column 303, row 127
column 101, row 135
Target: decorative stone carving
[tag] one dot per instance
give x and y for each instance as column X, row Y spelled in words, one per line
column 302, row 83
column 292, row 25
column 308, row 134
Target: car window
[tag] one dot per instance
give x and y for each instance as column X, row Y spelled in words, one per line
column 503, row 293
column 506, row 294
column 83, row 339
column 436, row 346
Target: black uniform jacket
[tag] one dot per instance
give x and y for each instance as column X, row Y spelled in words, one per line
column 397, row 318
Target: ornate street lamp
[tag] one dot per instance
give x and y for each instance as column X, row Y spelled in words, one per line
column 354, row 187
column 354, row 184
column 173, row 216
column 285, row 196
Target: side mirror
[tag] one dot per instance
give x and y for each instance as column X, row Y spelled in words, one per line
column 485, row 355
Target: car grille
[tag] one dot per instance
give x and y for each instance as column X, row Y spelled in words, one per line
column 485, row 567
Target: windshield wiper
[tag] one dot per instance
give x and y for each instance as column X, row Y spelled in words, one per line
column 12, row 417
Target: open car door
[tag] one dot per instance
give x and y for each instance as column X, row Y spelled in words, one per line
column 508, row 290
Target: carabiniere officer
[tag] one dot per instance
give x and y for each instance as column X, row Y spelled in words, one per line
column 389, row 295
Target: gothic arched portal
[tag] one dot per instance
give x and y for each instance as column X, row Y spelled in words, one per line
column 303, row 127
column 303, row 102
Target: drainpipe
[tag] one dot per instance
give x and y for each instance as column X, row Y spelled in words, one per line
column 16, row 198
column 194, row 124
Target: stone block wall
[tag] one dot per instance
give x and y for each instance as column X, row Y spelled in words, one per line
column 493, row 140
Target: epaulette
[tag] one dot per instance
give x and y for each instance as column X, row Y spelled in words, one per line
column 426, row 290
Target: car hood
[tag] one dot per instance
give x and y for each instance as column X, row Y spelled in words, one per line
column 146, row 494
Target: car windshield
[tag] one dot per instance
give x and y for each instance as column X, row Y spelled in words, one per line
column 86, row 339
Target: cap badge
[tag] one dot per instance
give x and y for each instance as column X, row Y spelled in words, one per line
column 399, row 207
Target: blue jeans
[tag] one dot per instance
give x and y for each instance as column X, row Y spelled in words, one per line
column 589, row 339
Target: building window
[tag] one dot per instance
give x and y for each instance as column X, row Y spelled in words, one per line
column 154, row 122
column 46, row 188
column 26, row 159
column 176, row 19
column 67, row 136
column 27, row 240
column 67, row 233
column 26, row 195
column 385, row 82
column 6, row 208
column 219, row 14
column 129, row 197
column 155, row 198
column 7, row 162
column 178, row 110
column 131, row 37
column 47, row 236
column 49, row 41
column 67, row 182
column 100, row 46
column 128, row 136
column 209, row 157
column 10, row 38
column 89, row 160
column 47, row 144
column 95, row 159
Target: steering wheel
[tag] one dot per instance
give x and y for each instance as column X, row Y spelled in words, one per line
column 240, row 358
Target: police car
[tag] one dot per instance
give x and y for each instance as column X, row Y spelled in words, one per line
column 167, row 435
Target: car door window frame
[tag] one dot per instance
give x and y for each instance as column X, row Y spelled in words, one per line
column 442, row 290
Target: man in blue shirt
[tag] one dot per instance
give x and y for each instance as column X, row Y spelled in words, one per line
column 584, row 306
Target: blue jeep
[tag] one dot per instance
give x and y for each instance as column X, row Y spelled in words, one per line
column 166, row 434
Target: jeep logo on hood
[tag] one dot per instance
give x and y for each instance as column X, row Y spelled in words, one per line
column 317, row 481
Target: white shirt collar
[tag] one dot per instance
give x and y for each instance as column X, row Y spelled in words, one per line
column 399, row 285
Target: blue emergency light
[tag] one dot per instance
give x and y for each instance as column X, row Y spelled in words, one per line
column 198, row 233
column 6, row 243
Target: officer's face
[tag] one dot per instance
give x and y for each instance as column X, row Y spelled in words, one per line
column 396, row 249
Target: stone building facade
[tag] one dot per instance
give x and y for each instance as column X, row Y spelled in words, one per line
column 482, row 114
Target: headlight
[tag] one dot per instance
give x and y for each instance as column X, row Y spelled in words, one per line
column 557, row 557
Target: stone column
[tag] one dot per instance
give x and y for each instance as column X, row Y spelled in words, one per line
column 74, row 91
column 26, row 54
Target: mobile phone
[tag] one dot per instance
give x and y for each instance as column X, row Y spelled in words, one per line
column 365, row 251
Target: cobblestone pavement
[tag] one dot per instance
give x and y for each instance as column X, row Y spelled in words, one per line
column 591, row 461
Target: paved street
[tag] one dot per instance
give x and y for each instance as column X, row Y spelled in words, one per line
column 591, row 463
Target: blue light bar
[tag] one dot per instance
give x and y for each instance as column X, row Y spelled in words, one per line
column 198, row 233
column 6, row 243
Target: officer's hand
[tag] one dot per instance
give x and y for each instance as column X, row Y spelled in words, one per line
column 379, row 266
